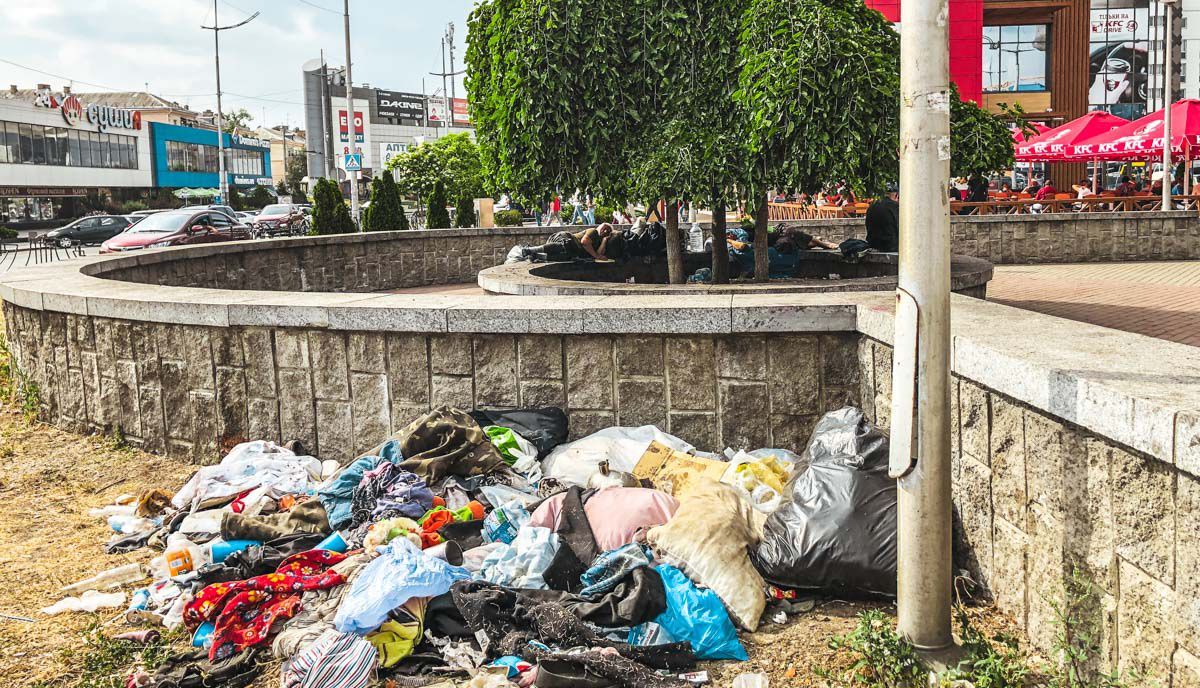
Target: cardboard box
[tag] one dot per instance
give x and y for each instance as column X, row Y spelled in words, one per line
column 675, row 472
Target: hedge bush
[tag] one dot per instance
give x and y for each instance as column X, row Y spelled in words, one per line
column 438, row 217
column 509, row 218
column 464, row 212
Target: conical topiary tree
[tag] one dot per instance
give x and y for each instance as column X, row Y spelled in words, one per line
column 464, row 213
column 438, row 217
column 330, row 215
column 386, row 211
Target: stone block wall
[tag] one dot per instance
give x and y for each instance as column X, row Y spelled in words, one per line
column 1037, row 499
column 349, row 263
column 1056, row 238
column 190, row 390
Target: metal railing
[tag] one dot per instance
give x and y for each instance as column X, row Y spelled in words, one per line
column 1062, row 203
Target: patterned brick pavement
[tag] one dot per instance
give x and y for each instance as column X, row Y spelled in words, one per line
column 1160, row 299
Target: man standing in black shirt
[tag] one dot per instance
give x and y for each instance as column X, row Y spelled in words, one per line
column 883, row 221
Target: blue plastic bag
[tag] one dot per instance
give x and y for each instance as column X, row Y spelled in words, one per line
column 698, row 617
column 400, row 573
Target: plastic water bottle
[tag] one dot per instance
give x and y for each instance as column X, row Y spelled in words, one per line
column 112, row 578
column 695, row 238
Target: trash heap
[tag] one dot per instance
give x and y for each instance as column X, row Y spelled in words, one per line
column 482, row 549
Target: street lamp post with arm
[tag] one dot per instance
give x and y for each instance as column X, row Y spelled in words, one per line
column 216, row 28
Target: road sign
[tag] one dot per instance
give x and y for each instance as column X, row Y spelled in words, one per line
column 354, row 162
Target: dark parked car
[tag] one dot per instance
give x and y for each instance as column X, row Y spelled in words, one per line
column 89, row 230
column 280, row 219
column 177, row 228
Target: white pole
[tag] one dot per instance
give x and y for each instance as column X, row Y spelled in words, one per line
column 352, row 176
column 1169, row 8
column 923, row 495
column 222, row 182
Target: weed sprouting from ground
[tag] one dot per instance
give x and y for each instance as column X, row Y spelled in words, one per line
column 17, row 389
column 883, row 658
column 1078, row 637
column 102, row 661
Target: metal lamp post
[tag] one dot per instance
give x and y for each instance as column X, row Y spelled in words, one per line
column 920, row 447
column 352, row 176
column 216, row 28
column 1169, row 11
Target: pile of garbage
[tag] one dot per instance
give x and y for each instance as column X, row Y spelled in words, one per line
column 482, row 549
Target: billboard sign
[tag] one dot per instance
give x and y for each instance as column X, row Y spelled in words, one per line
column 462, row 116
column 437, row 112
column 404, row 108
column 344, row 131
column 1119, row 60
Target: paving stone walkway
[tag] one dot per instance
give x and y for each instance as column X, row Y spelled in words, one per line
column 1160, row 299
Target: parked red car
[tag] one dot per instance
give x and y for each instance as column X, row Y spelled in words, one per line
column 177, row 228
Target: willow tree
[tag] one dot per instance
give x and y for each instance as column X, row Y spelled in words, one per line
column 820, row 85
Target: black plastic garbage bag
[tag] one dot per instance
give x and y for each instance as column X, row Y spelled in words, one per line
column 836, row 530
column 545, row 427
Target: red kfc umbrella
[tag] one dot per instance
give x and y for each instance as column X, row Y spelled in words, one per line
column 1143, row 138
column 1058, row 143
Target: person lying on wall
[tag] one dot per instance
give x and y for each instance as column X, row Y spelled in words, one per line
column 597, row 243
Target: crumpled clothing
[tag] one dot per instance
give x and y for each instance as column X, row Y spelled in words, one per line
column 317, row 609
column 306, row 517
column 336, row 660
column 637, row 598
column 400, row 573
column 388, row 490
column 193, row 669
column 257, row 560
column 401, row 633
column 505, row 621
column 337, row 494
column 446, row 441
column 612, row 566
column 521, row 563
column 578, row 548
column 245, row 611
column 545, row 427
column 616, row 514
column 250, row 465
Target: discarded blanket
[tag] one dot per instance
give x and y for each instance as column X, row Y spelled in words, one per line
column 306, row 517
column 245, row 611
column 247, row 466
column 443, row 442
column 616, row 514
column 335, row 660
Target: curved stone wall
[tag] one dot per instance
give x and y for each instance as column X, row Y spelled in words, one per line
column 1075, row 447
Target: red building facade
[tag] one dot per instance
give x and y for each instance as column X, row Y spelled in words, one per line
column 966, row 42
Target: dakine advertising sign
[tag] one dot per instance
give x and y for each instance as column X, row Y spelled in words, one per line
column 400, row 108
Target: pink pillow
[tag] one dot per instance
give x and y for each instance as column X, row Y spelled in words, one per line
column 616, row 514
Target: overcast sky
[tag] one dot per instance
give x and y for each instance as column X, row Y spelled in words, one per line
column 125, row 44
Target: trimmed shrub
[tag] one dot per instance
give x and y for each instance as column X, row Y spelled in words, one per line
column 464, row 212
column 439, row 217
column 509, row 218
column 386, row 212
column 604, row 214
column 330, row 215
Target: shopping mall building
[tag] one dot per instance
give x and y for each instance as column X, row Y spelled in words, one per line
column 63, row 153
column 56, row 149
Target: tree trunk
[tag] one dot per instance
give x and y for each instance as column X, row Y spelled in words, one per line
column 720, row 249
column 674, row 246
column 762, row 265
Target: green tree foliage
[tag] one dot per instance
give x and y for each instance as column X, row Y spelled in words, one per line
column 240, row 118
column 386, row 212
column 509, row 218
column 294, row 172
column 330, row 215
column 235, row 199
column 464, row 212
column 452, row 159
column 438, row 217
column 980, row 142
column 820, row 84
column 259, row 198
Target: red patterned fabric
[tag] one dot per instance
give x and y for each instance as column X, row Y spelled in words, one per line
column 245, row 611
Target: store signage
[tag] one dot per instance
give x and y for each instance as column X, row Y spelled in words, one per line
column 407, row 108
column 387, row 151
column 437, row 111
column 72, row 110
column 249, row 142
column 462, row 116
column 343, row 128
column 40, row 191
column 105, row 117
column 252, row 181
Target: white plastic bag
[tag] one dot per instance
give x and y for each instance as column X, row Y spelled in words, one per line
column 621, row 447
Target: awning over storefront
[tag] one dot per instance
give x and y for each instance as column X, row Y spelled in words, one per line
column 196, row 193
